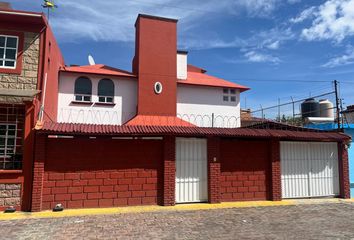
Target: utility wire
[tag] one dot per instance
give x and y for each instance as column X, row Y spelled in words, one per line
column 288, row 103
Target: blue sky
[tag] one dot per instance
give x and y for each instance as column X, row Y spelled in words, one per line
column 279, row 48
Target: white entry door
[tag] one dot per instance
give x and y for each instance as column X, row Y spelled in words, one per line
column 191, row 170
column 309, row 169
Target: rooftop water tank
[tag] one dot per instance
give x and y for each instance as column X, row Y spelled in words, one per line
column 326, row 108
column 310, row 108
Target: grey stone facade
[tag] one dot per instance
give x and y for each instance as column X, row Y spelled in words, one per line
column 10, row 194
column 28, row 77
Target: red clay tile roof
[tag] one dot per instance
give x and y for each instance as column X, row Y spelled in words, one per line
column 197, row 76
column 115, row 130
column 149, row 120
column 98, row 69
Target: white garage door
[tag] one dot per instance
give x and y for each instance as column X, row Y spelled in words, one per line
column 191, row 170
column 309, row 169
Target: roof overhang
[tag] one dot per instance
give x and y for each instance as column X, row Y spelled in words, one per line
column 21, row 20
column 116, row 130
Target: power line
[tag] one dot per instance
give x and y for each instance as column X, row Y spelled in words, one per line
column 288, row 103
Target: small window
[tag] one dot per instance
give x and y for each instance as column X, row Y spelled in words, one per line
column 83, row 89
column 229, row 95
column 106, row 91
column 8, row 144
column 158, row 88
column 8, row 51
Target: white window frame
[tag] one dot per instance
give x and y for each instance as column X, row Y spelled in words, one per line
column 82, row 98
column 228, row 95
column 7, row 155
column 105, row 99
column 2, row 58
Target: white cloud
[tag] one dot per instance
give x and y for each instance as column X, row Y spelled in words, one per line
column 334, row 20
column 275, row 45
column 260, row 8
column 306, row 14
column 293, row 1
column 253, row 56
column 346, row 59
column 112, row 20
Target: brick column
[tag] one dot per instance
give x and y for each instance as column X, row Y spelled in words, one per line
column 38, row 172
column 169, row 171
column 343, row 167
column 275, row 168
column 28, row 147
column 214, row 170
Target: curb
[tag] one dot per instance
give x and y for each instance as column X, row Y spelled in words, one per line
column 176, row 208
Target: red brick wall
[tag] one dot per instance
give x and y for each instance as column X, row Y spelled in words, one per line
column 102, row 173
column 169, row 171
column 343, row 170
column 276, row 170
column 214, row 170
column 245, row 170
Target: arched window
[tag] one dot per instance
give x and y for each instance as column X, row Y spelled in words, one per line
column 83, row 89
column 106, row 91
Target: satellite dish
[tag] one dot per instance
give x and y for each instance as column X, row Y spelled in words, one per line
column 91, row 60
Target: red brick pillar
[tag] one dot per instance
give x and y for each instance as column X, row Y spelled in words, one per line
column 28, row 146
column 275, row 168
column 343, row 170
column 214, row 170
column 38, row 172
column 169, row 171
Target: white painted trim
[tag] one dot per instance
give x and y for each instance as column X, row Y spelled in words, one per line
column 21, row 14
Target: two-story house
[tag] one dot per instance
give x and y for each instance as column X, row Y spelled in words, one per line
column 164, row 133
column 29, row 58
column 169, row 133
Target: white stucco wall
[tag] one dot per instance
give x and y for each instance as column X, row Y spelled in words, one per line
column 125, row 100
column 181, row 65
column 197, row 104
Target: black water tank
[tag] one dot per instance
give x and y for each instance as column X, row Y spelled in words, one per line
column 310, row 108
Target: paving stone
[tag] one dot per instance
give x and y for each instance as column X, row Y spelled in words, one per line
column 321, row 221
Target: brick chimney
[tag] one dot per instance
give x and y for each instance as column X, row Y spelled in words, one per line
column 155, row 64
column 5, row 6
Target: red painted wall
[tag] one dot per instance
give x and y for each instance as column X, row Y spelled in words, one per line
column 52, row 60
column 155, row 61
column 245, row 170
column 102, row 173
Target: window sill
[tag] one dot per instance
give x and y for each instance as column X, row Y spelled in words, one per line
column 81, row 103
column 104, row 104
column 10, row 171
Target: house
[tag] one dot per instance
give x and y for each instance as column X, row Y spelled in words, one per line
column 29, row 56
column 164, row 133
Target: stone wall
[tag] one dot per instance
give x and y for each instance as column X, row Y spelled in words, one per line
column 10, row 194
column 29, row 73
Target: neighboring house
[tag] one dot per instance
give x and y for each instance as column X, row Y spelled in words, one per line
column 165, row 133
column 29, row 56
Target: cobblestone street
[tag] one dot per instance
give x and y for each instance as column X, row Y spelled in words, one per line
column 315, row 221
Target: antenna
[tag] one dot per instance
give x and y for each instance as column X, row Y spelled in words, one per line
column 49, row 5
column 91, row 60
